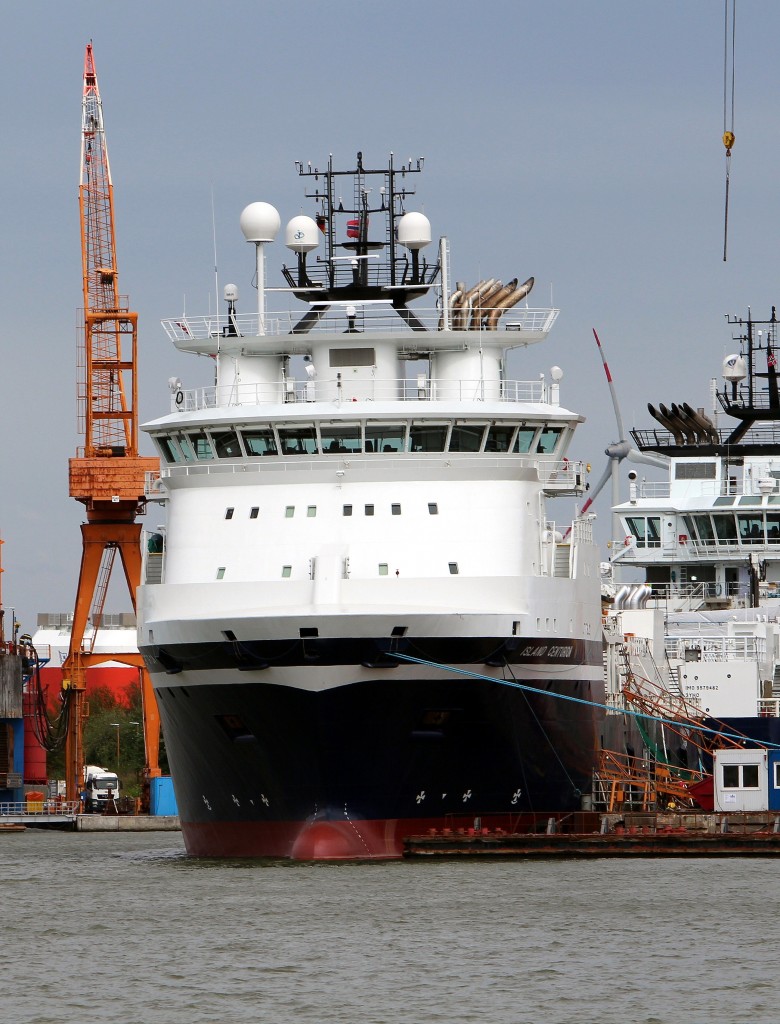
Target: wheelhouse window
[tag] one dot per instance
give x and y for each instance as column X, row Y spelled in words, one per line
column 646, row 531
column 751, row 529
column 341, row 438
column 385, row 437
column 548, row 440
column 725, row 528
column 704, row 529
column 773, row 527
column 259, row 441
column 524, row 440
column 466, row 437
column 499, row 438
column 201, row 447
column 427, row 437
column 226, row 444
column 169, row 449
column 300, row 440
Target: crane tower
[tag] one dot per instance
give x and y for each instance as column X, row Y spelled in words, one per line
column 107, row 475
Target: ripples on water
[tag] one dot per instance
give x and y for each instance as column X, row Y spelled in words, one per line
column 124, row 929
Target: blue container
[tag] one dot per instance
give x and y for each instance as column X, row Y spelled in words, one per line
column 774, row 780
column 162, row 798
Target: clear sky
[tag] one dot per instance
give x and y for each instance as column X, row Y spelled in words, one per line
column 579, row 142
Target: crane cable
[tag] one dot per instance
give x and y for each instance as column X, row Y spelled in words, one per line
column 728, row 105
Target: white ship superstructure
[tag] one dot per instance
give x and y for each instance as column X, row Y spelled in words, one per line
column 362, row 485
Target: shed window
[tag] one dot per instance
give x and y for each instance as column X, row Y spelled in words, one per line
column 740, row 776
column 289, row 512
column 347, row 510
column 395, row 509
column 221, row 572
column 254, row 512
column 433, row 508
column 229, row 513
column 369, row 510
column 311, row 511
column 453, row 568
column 286, row 571
column 383, row 568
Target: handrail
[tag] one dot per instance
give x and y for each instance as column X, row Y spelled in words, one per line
column 40, row 808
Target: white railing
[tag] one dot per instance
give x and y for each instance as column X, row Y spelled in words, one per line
column 378, row 316
column 563, row 476
column 715, row 649
column 372, row 389
column 769, row 708
column 39, row 808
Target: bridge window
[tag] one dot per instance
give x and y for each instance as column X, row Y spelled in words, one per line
column 725, row 528
column 548, row 440
column 226, row 444
column 466, row 437
column 169, row 448
column 200, row 447
column 259, row 441
column 499, row 438
column 704, row 529
column 773, row 527
column 341, row 439
column 525, row 438
column 385, row 437
column 646, row 531
column 298, row 440
column 427, row 437
column 751, row 529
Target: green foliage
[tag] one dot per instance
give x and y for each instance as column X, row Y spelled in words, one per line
column 110, row 720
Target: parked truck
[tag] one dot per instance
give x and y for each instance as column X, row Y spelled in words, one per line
column 100, row 788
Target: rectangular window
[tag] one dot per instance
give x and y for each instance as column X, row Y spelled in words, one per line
column 289, row 512
column 352, row 357
column 466, row 437
column 369, row 510
column 427, row 437
column 201, row 447
column 347, row 510
column 740, row 776
column 298, row 440
column 286, row 572
column 383, row 568
column 433, row 508
column 311, row 511
column 694, row 471
column 259, row 441
column 169, row 450
column 751, row 529
column 548, row 439
column 725, row 528
column 254, row 512
column 340, row 439
column 385, row 437
column 221, row 572
column 395, row 509
column 499, row 438
column 229, row 513
column 226, row 444
column 525, row 437
column 453, row 568
column 777, row 774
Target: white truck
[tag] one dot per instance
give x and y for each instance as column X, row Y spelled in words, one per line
column 100, row 787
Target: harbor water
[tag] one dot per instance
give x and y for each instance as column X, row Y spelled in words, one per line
column 123, row 927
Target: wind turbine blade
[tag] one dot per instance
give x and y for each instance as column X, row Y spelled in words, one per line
column 607, row 475
column 646, row 459
column 618, row 417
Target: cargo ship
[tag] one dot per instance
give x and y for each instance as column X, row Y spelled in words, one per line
column 360, row 616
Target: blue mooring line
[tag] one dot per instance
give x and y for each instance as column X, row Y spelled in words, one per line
column 580, row 700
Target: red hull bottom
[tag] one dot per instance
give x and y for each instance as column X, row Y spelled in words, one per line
column 310, row 840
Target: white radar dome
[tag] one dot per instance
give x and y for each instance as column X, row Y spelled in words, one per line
column 230, row 292
column 734, row 368
column 260, row 222
column 302, row 234
column 414, row 230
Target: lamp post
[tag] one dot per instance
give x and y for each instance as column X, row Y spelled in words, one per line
column 115, row 725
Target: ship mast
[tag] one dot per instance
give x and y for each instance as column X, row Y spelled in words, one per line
column 107, row 475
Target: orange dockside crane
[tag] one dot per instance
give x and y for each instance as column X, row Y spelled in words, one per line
column 108, row 475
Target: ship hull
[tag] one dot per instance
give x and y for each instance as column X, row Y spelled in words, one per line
column 334, row 762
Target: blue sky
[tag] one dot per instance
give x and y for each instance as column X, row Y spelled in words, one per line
column 576, row 142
